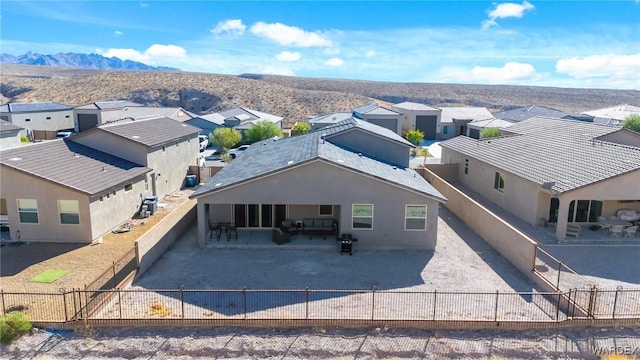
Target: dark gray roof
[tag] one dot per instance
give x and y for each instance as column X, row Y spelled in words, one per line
column 6, row 126
column 150, row 132
column 239, row 113
column 352, row 123
column 72, row 165
column 529, row 112
column 330, row 118
column 546, row 150
column 276, row 155
column 33, row 107
column 365, row 108
column 109, row 105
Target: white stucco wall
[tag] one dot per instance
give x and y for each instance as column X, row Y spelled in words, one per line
column 61, row 119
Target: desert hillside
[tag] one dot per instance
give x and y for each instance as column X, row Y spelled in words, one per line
column 294, row 98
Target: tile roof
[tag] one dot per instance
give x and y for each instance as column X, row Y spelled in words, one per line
column 150, row 132
column 366, row 126
column 373, row 109
column 619, row 112
column 330, row 118
column 529, row 112
column 6, row 126
column 553, row 150
column 464, row 113
column 414, row 106
column 72, row 165
column 108, row 105
column 272, row 156
column 140, row 112
column 33, row 107
column 497, row 123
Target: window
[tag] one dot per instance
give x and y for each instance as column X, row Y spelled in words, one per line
column 128, row 187
column 69, row 212
column 27, row 120
column 466, row 166
column 326, row 210
column 48, row 117
column 498, row 182
column 445, row 130
column 362, row 216
column 66, row 116
column 28, row 211
column 415, row 217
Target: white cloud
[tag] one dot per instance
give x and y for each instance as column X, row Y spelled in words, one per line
column 506, row 10
column 144, row 5
column 232, row 26
column 336, row 62
column 369, row 54
column 118, row 33
column 289, row 35
column 606, row 65
column 156, row 53
column 510, row 73
column 275, row 70
column 288, row 56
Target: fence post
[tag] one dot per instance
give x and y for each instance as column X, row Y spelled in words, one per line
column 559, row 272
column 592, row 301
column 558, row 307
column 182, row 299
column 435, row 297
column 373, row 301
column 615, row 302
column 244, row 301
column 495, row 316
column 120, row 302
column 113, row 279
column 64, row 303
column 306, row 301
column 4, row 310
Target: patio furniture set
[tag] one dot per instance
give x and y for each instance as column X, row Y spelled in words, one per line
column 223, row 227
column 625, row 222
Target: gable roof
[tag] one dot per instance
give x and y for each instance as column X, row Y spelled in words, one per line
column 545, row 150
column 497, row 123
column 373, row 109
column 109, row 105
column 332, row 118
column 352, row 123
column 149, row 132
column 72, row 165
column 34, row 107
column 619, row 112
column 414, row 106
column 6, row 126
column 140, row 112
column 464, row 113
column 272, row 156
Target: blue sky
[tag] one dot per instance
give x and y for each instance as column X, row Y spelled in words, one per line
column 581, row 44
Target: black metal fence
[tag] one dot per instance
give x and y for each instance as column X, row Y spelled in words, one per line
column 558, row 274
column 307, row 304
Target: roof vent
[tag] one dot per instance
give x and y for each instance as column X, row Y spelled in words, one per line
column 218, row 184
column 395, row 167
column 76, row 155
column 15, row 159
column 360, row 154
column 135, row 137
column 103, row 169
column 289, row 162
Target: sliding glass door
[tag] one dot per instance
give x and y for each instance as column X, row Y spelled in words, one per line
column 259, row 215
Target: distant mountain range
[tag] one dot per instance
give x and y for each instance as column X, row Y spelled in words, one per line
column 83, row 61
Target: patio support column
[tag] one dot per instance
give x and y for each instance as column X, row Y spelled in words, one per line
column 202, row 223
column 563, row 214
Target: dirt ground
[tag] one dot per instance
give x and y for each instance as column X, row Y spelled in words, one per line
column 22, row 261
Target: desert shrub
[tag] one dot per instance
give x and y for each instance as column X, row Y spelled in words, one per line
column 490, row 132
column 300, row 128
column 13, row 325
column 632, row 122
column 414, row 136
column 24, row 139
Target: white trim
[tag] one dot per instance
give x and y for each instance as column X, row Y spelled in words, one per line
column 31, row 212
column 60, row 212
column 426, row 215
column 372, row 215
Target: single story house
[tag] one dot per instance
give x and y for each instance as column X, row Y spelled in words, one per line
column 354, row 174
column 475, row 128
column 528, row 112
column 44, row 119
column 552, row 170
column 380, row 116
column 321, row 121
column 454, row 120
column 613, row 115
column 419, row 117
column 10, row 135
column 63, row 191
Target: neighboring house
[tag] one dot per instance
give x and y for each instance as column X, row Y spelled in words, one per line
column 420, row 117
column 474, row 128
column 167, row 146
column 613, row 115
column 528, row 112
column 89, row 116
column 243, row 118
column 318, row 122
column 62, row 191
column 561, row 171
column 381, row 116
column 353, row 172
column 10, row 135
column 44, row 119
column 454, row 120
column 205, row 123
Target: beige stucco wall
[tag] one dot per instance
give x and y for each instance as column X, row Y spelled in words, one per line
column 409, row 117
column 114, row 145
column 17, row 185
column 115, row 210
column 10, row 139
column 171, row 165
column 62, row 119
column 324, row 183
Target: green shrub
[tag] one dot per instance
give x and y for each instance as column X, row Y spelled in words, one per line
column 13, row 325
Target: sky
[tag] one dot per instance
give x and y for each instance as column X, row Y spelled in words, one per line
column 571, row 44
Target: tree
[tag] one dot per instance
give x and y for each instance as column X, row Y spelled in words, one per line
column 414, row 137
column 425, row 153
column 225, row 138
column 262, row 130
column 300, row 128
column 490, row 132
column 632, row 122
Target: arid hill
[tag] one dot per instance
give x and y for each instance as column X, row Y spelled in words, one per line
column 294, row 98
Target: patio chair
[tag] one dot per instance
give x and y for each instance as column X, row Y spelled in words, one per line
column 232, row 233
column 616, row 231
column 630, row 231
column 602, row 225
